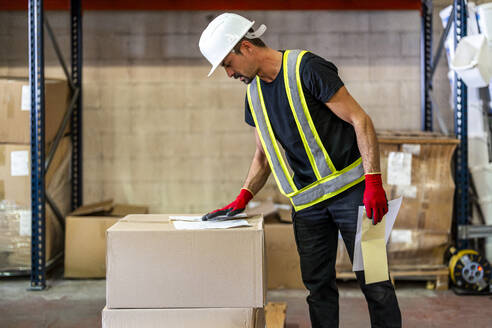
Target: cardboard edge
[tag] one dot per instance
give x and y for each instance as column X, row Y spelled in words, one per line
column 108, row 267
column 250, row 317
column 264, row 264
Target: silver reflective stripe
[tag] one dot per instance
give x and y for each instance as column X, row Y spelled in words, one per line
column 268, row 142
column 329, row 186
column 316, row 151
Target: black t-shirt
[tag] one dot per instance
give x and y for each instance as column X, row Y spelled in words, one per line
column 320, row 81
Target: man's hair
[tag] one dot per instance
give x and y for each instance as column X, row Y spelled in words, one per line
column 256, row 41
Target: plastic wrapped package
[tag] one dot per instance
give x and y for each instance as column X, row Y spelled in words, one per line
column 408, row 249
column 417, row 166
column 423, row 249
column 15, row 236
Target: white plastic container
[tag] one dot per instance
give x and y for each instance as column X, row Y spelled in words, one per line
column 471, row 61
column 472, row 27
column 476, row 127
column 485, row 19
column 478, row 152
column 482, row 177
column 488, row 249
column 486, row 207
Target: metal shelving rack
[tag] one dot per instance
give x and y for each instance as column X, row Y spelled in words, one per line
column 40, row 164
column 429, row 65
column 461, row 129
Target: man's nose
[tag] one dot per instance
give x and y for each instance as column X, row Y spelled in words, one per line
column 229, row 72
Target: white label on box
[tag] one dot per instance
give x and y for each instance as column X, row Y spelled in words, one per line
column 399, row 168
column 413, row 149
column 26, row 98
column 25, row 223
column 401, row 236
column 19, row 163
column 407, row 191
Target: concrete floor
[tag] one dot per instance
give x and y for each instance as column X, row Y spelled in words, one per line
column 78, row 303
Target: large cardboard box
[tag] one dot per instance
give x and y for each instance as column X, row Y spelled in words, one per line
column 184, row 318
column 90, row 222
column 150, row 264
column 15, row 214
column 15, row 100
column 283, row 266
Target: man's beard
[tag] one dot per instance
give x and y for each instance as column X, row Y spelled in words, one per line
column 244, row 79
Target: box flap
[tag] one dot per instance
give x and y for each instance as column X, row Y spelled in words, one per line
column 100, row 208
column 120, row 210
column 108, row 208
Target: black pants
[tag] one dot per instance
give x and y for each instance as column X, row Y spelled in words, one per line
column 316, row 232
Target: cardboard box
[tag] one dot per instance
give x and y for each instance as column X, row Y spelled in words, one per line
column 272, row 212
column 184, row 318
column 15, row 100
column 150, row 264
column 90, row 222
column 283, row 266
column 15, row 170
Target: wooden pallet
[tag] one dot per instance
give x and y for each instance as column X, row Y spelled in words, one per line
column 275, row 314
column 437, row 278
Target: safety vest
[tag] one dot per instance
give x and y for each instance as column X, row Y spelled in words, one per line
column 329, row 181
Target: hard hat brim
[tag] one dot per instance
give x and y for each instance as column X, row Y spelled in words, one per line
column 214, row 67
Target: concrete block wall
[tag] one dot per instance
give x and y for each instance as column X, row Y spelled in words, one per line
column 157, row 131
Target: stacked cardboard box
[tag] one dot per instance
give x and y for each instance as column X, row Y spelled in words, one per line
column 15, row 165
column 90, row 222
column 160, row 276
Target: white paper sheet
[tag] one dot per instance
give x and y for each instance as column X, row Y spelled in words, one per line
column 185, row 218
column 26, row 98
column 25, row 223
column 390, row 218
column 399, row 168
column 19, row 163
column 413, row 149
column 194, row 218
column 190, row 225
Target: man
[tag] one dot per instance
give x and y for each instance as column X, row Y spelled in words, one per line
column 297, row 99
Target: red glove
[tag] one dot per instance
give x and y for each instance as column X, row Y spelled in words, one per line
column 375, row 198
column 236, row 207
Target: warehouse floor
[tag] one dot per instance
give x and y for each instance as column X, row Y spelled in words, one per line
column 78, row 303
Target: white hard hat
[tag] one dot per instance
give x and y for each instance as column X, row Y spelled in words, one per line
column 222, row 34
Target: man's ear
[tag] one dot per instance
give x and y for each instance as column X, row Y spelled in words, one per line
column 247, row 46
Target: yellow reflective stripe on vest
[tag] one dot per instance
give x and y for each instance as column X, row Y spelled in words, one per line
column 313, row 146
column 308, row 115
column 265, row 132
column 330, row 182
column 329, row 186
